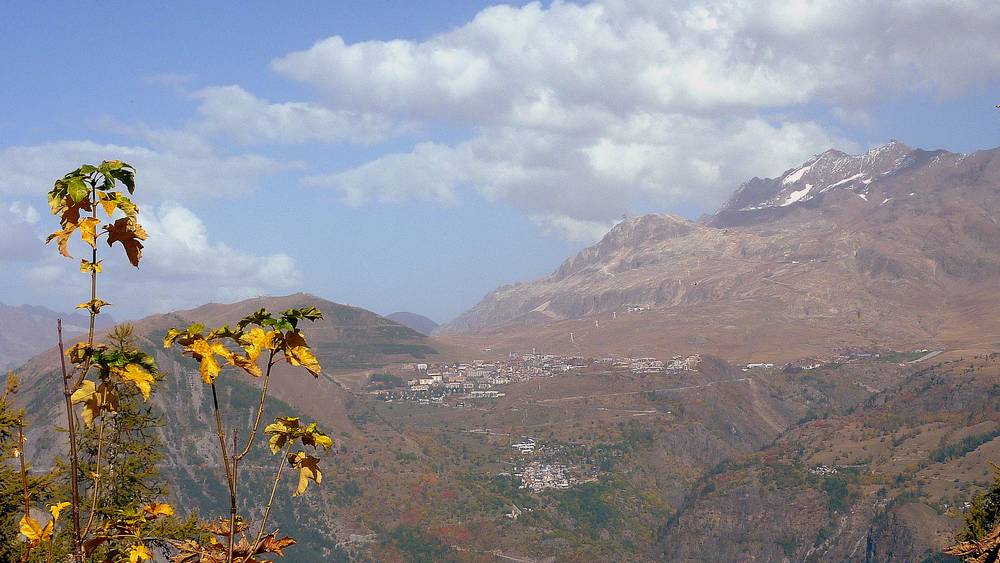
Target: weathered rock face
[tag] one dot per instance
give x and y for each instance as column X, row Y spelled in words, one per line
column 884, row 241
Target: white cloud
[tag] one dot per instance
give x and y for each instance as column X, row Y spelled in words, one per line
column 179, row 249
column 580, row 112
column 161, row 174
column 572, row 229
column 237, row 114
column 626, row 56
column 662, row 159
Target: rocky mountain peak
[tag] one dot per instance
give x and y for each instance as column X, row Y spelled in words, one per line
column 631, row 233
column 825, row 172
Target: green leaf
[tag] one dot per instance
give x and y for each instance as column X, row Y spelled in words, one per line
column 77, row 189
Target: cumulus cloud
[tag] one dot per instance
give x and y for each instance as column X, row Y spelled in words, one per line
column 659, row 56
column 179, row 249
column 588, row 180
column 237, row 114
column 579, row 111
column 162, row 174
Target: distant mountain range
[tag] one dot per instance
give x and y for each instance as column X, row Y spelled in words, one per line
column 26, row 330
column 419, row 323
column 897, row 245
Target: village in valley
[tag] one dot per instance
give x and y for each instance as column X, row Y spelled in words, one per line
column 455, row 384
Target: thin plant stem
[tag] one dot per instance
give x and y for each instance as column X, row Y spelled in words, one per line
column 74, row 463
column 270, row 500
column 97, row 480
column 24, row 469
column 229, row 474
column 24, row 479
column 260, row 407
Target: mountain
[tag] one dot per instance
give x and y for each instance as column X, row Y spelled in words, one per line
column 419, row 323
column 862, row 458
column 897, row 245
column 26, row 330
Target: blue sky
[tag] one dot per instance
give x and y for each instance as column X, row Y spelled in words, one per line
column 414, row 156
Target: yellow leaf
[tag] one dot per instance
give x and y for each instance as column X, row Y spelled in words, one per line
column 107, row 203
column 88, row 231
column 138, row 552
column 139, row 376
column 255, row 342
column 55, row 509
column 94, row 305
column 308, row 467
column 159, row 509
column 62, row 239
column 96, row 400
column 31, row 529
column 205, row 352
column 86, row 267
column 315, row 438
column 247, row 364
column 297, row 352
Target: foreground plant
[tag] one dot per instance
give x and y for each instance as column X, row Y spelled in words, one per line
column 261, row 336
column 107, row 386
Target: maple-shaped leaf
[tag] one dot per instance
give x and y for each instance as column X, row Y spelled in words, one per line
column 107, row 202
column 308, row 467
column 271, row 543
column 205, row 352
column 297, row 352
column 130, row 234
column 96, row 399
column 62, row 239
column 94, row 305
column 183, row 337
column 283, row 429
column 139, row 552
column 313, row 437
column 57, row 508
column 254, row 343
column 86, row 266
column 34, row 532
column 137, row 375
column 88, row 231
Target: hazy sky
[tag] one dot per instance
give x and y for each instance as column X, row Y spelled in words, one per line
column 415, row 155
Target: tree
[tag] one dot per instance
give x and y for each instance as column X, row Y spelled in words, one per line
column 979, row 540
column 115, row 508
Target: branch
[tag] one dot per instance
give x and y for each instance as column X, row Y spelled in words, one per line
column 74, row 464
column 270, row 499
column 229, row 472
column 260, row 408
column 97, row 480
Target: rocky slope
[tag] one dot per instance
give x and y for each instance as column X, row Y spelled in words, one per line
column 845, row 249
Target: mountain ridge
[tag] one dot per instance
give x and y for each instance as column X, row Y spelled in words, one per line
column 881, row 243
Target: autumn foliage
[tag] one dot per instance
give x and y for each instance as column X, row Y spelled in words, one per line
column 91, row 203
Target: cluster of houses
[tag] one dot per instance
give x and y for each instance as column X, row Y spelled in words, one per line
column 652, row 365
column 432, row 383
